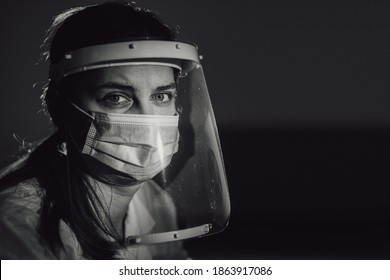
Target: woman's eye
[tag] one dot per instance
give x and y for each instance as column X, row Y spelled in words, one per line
column 117, row 100
column 162, row 98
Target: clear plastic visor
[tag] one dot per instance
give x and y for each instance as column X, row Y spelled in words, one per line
column 195, row 180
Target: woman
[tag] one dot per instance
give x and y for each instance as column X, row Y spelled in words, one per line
column 112, row 182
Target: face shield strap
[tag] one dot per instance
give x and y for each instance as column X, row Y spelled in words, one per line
column 155, row 238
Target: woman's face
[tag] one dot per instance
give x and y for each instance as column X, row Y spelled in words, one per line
column 136, row 89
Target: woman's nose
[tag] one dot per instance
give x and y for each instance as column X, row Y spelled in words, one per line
column 146, row 108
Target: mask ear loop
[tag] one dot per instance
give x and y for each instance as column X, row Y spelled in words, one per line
column 69, row 186
column 62, row 148
column 81, row 110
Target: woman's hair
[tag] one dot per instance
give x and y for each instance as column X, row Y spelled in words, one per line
column 68, row 195
column 105, row 23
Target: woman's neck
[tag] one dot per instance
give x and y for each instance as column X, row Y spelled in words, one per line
column 115, row 202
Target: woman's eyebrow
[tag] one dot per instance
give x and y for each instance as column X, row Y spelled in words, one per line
column 167, row 87
column 115, row 85
column 130, row 87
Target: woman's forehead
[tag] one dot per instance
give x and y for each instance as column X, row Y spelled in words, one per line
column 133, row 74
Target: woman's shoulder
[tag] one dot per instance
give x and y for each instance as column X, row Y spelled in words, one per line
column 20, row 211
column 26, row 194
column 20, row 203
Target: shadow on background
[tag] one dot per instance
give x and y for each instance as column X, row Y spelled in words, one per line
column 307, row 193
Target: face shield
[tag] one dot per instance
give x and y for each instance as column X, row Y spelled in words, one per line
column 194, row 182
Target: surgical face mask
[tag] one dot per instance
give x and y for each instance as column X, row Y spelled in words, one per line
column 140, row 146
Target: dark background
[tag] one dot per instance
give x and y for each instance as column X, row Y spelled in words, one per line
column 301, row 95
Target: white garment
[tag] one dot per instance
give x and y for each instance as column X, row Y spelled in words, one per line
column 19, row 216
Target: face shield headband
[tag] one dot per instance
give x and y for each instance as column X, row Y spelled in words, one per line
column 181, row 56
